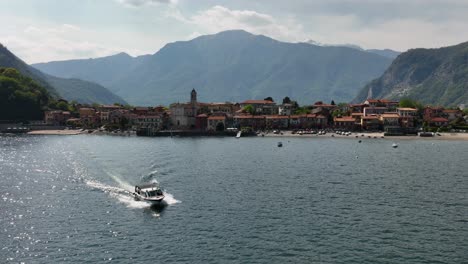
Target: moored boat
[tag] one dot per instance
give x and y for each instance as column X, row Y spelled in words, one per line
column 148, row 192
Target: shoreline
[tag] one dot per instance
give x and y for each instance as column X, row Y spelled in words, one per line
column 374, row 135
column 65, row 132
column 285, row 134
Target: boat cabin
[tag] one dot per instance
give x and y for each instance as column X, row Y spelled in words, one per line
column 148, row 190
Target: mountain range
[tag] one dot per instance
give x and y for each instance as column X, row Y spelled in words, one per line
column 230, row 66
column 389, row 53
column 431, row 76
column 69, row 89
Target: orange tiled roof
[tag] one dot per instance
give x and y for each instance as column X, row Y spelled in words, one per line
column 390, row 115
column 216, row 118
column 276, row 117
column 439, row 119
column 257, row 102
column 344, row 119
column 407, row 109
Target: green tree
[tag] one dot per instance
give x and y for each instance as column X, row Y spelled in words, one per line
column 286, row 100
column 249, row 109
column 269, row 98
column 408, row 102
column 62, row 106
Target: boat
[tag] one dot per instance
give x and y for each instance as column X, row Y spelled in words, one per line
column 394, row 145
column 280, row 144
column 426, row 134
column 148, row 192
column 239, row 134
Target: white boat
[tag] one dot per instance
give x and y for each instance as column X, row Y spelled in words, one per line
column 149, row 192
column 239, row 134
column 394, row 145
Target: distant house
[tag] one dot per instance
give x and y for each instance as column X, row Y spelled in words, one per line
column 390, row 105
column 316, row 121
column 370, row 122
column 216, row 123
column 277, row 121
column 390, row 119
column 431, row 112
column 345, row 122
column 149, row 121
column 185, row 115
column 256, row 122
column 438, row 121
column 374, row 110
column 452, row 114
column 262, row 107
column 407, row 111
column 56, row 117
column 285, row 109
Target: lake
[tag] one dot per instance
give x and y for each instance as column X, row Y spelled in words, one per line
column 66, row 199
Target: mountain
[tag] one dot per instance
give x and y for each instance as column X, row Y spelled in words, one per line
column 101, row 70
column 385, row 52
column 431, row 76
column 231, row 66
column 392, row 54
column 69, row 89
column 21, row 98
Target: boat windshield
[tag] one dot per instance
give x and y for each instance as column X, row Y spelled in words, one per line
column 152, row 193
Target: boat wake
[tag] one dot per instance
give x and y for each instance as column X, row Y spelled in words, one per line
column 124, row 193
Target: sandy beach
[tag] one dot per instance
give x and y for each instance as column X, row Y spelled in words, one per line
column 55, row 132
column 367, row 135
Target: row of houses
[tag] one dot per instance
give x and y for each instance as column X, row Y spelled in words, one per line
column 114, row 116
column 373, row 114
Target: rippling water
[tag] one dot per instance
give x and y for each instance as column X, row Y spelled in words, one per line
column 66, row 200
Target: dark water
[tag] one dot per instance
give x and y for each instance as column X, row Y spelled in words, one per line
column 65, row 200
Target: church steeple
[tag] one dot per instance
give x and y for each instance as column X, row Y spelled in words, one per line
column 193, row 96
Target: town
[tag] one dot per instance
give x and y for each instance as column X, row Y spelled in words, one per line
column 261, row 115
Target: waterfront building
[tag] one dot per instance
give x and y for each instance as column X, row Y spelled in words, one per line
column 345, row 122
column 261, row 107
column 56, row 117
column 216, row 123
column 374, row 110
column 183, row 114
column 452, row 114
column 277, row 122
column 285, row 109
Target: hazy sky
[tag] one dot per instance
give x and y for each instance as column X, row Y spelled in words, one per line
column 45, row 30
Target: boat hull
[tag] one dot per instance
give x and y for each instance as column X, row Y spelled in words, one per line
column 153, row 200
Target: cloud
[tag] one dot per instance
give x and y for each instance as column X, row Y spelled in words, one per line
column 39, row 44
column 219, row 18
column 399, row 32
column 138, row 3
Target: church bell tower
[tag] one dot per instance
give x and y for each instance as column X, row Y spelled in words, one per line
column 193, row 97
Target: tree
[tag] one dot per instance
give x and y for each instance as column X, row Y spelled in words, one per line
column 62, row 106
column 249, row 109
column 332, row 102
column 407, row 102
column 286, row 100
column 269, row 99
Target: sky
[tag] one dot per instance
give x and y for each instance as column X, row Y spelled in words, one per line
column 48, row 30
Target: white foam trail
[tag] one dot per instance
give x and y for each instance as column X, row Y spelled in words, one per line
column 127, row 186
column 124, row 196
column 120, row 194
column 169, row 198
